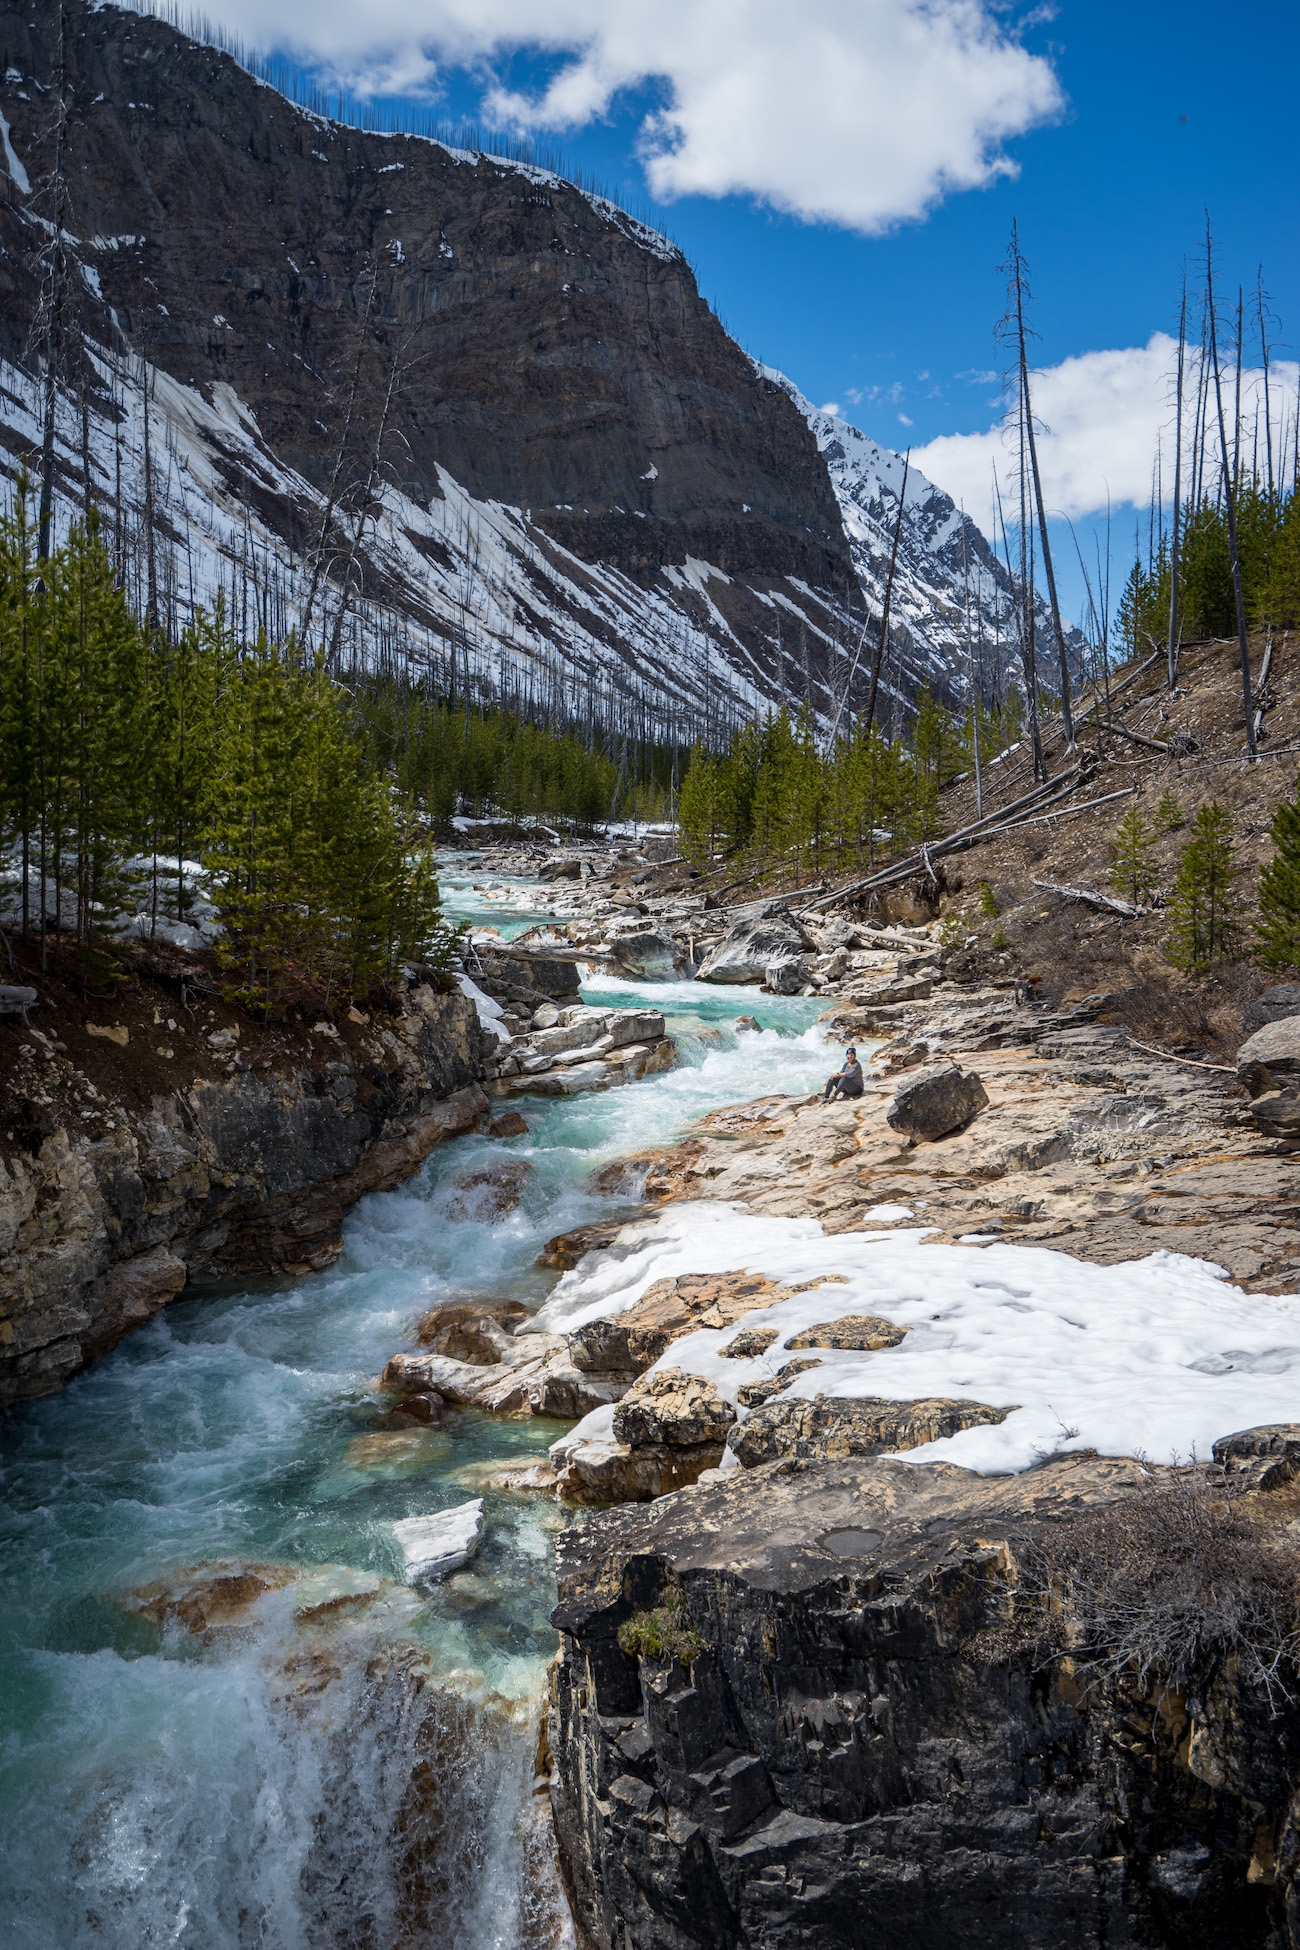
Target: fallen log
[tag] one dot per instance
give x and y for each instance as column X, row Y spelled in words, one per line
column 984, row 828
column 17, row 1001
column 1091, row 898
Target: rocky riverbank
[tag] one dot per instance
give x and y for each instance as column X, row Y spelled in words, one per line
column 821, row 1693
column 165, row 1140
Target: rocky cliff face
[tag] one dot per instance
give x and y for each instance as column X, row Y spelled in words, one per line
column 350, row 331
column 115, row 1194
column 491, row 407
column 860, row 1752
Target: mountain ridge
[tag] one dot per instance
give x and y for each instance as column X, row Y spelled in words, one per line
column 456, row 412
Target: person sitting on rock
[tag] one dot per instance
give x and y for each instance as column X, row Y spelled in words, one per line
column 846, row 1082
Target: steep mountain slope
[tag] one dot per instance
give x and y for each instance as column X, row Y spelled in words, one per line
column 447, row 409
column 952, row 612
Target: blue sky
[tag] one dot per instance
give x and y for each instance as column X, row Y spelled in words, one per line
column 874, row 154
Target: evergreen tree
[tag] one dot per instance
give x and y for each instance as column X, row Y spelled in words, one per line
column 1169, row 814
column 1203, row 911
column 1277, row 936
column 1133, row 867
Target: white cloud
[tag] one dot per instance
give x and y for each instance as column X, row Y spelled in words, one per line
column 856, row 112
column 1102, row 417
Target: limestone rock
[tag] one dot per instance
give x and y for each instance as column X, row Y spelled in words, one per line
column 509, row 1124
column 604, row 1470
column 666, row 1310
column 670, row 1407
column 764, row 935
column 433, row 1545
column 787, row 975
column 567, row 1249
column 490, row 1190
column 750, row 1341
column 1274, row 1005
column 646, row 953
column 866, row 1752
column 832, row 1427
column 1271, row 1054
column 930, row 1103
column 448, row 1313
column 569, row 1392
column 859, row 1333
column 752, row 1394
column 475, row 1338
column 1277, row 1114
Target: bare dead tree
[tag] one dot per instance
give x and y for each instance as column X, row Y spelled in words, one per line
column 889, row 593
column 1020, row 291
column 53, row 301
column 336, row 475
column 1178, row 476
column 1230, row 498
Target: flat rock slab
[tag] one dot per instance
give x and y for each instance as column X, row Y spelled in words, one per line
column 835, row 1427
column 434, row 1545
column 858, row 1333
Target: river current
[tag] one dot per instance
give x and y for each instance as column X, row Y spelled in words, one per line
column 348, row 1775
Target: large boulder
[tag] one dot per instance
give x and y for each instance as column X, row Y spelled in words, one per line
column 763, row 936
column 1271, row 1054
column 930, row 1103
column 1277, row 1114
column 833, row 1427
column 645, row 952
column 670, row 1407
column 1274, row 1005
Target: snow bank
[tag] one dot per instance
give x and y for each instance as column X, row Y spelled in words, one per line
column 1159, row 1355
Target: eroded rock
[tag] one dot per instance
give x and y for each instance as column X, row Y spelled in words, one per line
column 752, row 1394
column 763, row 937
column 833, row 1427
column 673, row 1408
column 441, row 1542
column 859, row 1333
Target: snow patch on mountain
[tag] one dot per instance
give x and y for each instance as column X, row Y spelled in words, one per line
column 952, row 614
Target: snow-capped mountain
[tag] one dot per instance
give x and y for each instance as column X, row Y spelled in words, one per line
column 952, row 613
column 447, row 410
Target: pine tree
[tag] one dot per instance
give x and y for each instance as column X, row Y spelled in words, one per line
column 1133, row 867
column 1203, row 910
column 1277, row 936
column 1169, row 814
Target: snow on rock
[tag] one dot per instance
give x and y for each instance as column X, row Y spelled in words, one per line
column 490, row 1011
column 1158, row 1356
column 434, row 1545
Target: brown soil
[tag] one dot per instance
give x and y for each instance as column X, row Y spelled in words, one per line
column 56, row 1072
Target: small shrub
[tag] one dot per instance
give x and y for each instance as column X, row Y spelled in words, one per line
column 999, row 937
column 988, row 901
column 1170, row 1581
column 664, row 1633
